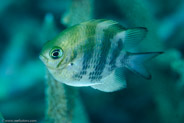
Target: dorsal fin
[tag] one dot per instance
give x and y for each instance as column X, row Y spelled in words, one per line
column 133, row 37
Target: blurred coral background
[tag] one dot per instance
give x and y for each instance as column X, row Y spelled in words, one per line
column 25, row 25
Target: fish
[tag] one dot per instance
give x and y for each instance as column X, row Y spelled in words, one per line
column 96, row 53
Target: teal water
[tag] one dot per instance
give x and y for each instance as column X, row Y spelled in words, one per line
column 25, row 25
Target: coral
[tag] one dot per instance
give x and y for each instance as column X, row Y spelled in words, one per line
column 79, row 11
column 63, row 103
column 1, row 117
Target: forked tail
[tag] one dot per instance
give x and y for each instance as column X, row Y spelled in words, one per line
column 135, row 62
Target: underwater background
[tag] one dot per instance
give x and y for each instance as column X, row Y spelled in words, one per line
column 25, row 25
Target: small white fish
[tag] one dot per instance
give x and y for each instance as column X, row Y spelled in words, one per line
column 94, row 53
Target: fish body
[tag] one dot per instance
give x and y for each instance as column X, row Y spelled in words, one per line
column 95, row 53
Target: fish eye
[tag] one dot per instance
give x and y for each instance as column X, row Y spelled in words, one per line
column 56, row 53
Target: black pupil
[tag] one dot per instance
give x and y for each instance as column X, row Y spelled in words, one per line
column 56, row 53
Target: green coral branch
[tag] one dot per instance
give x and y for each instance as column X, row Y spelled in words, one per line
column 63, row 103
column 60, row 101
column 1, row 117
column 79, row 11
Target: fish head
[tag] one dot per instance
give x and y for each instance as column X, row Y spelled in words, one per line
column 61, row 56
column 51, row 55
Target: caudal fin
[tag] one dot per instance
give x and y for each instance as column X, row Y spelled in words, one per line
column 135, row 62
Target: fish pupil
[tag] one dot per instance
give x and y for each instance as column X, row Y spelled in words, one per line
column 55, row 54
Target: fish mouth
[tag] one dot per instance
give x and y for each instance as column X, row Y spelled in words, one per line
column 43, row 59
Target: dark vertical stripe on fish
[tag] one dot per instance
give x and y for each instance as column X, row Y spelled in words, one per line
column 90, row 44
column 109, row 33
column 105, row 47
column 115, row 53
column 87, row 48
column 88, row 54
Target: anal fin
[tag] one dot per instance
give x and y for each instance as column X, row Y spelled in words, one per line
column 114, row 82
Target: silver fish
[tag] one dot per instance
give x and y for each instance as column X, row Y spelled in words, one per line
column 95, row 53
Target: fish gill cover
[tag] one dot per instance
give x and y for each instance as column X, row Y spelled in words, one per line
column 29, row 93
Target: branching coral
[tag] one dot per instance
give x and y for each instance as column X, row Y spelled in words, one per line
column 79, row 11
column 25, row 25
column 63, row 103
